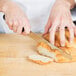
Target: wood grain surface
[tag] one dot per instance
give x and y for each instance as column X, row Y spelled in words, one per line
column 13, row 62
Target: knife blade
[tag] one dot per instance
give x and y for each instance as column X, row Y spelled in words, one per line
column 38, row 38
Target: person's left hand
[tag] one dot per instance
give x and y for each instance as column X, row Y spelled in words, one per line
column 60, row 17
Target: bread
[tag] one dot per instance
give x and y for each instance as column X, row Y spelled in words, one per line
column 40, row 59
column 46, row 50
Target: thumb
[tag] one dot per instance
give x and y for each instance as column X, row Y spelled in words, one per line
column 48, row 25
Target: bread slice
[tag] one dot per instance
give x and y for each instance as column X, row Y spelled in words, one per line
column 40, row 59
column 45, row 49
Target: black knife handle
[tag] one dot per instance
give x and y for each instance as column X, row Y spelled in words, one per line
column 74, row 22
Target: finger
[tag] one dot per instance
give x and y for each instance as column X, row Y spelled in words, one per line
column 62, row 35
column 20, row 25
column 62, row 30
column 10, row 24
column 71, row 27
column 15, row 25
column 19, row 29
column 47, row 28
column 71, row 31
column 27, row 22
column 48, row 25
column 27, row 29
column 52, row 32
column 26, row 26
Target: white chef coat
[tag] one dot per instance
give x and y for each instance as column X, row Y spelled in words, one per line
column 37, row 12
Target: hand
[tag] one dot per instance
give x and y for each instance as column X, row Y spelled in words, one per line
column 16, row 18
column 60, row 17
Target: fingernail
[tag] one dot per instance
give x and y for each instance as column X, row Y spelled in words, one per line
column 71, row 41
column 62, row 44
column 52, row 42
column 15, row 23
column 10, row 22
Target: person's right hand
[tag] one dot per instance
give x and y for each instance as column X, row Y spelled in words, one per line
column 16, row 18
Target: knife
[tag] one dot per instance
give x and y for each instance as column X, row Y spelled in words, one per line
column 38, row 38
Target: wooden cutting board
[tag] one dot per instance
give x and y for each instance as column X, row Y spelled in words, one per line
column 13, row 62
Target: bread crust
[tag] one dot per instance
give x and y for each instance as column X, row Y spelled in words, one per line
column 40, row 62
column 39, row 59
